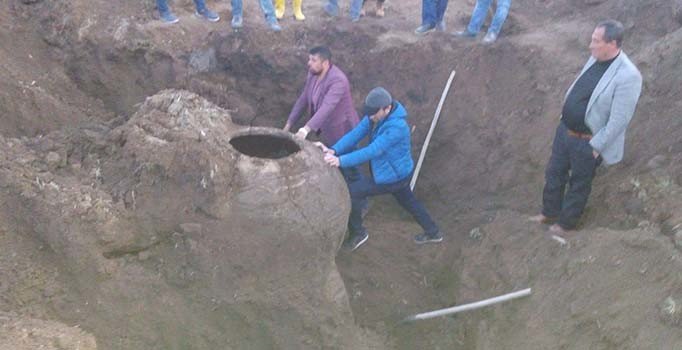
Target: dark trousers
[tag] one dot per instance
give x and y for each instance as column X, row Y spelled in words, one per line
column 571, row 163
column 351, row 174
column 362, row 188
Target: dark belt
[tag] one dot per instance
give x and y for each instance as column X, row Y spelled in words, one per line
column 579, row 135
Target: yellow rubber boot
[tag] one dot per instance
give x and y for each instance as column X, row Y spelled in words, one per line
column 279, row 9
column 297, row 10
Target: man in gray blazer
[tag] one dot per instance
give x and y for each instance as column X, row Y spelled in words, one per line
column 597, row 110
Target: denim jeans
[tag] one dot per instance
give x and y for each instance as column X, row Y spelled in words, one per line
column 481, row 11
column 362, row 188
column 237, row 8
column 572, row 163
column 265, row 5
column 162, row 5
column 332, row 8
column 267, row 8
column 433, row 11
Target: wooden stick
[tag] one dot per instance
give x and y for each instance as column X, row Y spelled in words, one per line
column 466, row 307
column 433, row 127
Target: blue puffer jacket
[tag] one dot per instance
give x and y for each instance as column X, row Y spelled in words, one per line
column 388, row 151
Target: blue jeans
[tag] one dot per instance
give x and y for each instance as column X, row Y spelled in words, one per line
column 433, row 11
column 570, row 155
column 162, row 5
column 481, row 11
column 237, row 8
column 332, row 8
column 267, row 8
column 362, row 188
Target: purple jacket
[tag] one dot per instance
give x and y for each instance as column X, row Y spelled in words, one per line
column 330, row 104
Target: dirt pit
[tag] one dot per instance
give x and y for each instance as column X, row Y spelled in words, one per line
column 139, row 258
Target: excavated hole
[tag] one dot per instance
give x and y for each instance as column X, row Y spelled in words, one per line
column 465, row 132
column 486, row 158
column 264, row 146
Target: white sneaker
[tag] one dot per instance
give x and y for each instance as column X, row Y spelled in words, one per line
column 490, row 38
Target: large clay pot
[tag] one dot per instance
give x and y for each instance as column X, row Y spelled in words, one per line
column 258, row 218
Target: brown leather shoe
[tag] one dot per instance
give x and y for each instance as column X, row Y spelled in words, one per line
column 541, row 219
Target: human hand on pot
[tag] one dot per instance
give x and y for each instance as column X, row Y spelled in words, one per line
column 302, row 133
column 332, row 160
column 325, row 149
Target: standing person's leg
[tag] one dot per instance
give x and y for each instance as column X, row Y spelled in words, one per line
column 405, row 197
column 165, row 13
column 360, row 190
column 478, row 16
column 332, row 8
column 428, row 17
column 498, row 19
column 500, row 16
column 351, row 174
column 583, row 166
column 162, row 6
column 200, row 5
column 298, row 11
column 269, row 13
column 362, row 10
column 441, row 7
column 204, row 12
column 236, row 13
column 355, row 9
column 429, row 12
column 556, row 175
column 279, row 8
column 380, row 8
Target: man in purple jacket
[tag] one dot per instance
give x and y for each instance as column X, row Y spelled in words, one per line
column 326, row 96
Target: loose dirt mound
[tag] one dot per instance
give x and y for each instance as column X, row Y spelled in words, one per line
column 602, row 289
column 29, row 334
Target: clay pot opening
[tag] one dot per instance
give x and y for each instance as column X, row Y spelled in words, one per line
column 265, row 146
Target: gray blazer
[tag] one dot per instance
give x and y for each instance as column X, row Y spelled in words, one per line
column 611, row 106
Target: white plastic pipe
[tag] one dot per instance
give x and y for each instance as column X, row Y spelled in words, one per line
column 466, row 307
column 433, row 127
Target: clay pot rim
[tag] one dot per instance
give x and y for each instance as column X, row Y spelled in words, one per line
column 268, row 131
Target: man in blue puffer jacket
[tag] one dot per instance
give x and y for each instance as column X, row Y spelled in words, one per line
column 390, row 157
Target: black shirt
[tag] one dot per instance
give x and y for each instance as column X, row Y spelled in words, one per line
column 575, row 107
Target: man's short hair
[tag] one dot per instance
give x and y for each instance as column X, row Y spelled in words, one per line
column 613, row 30
column 322, row 51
